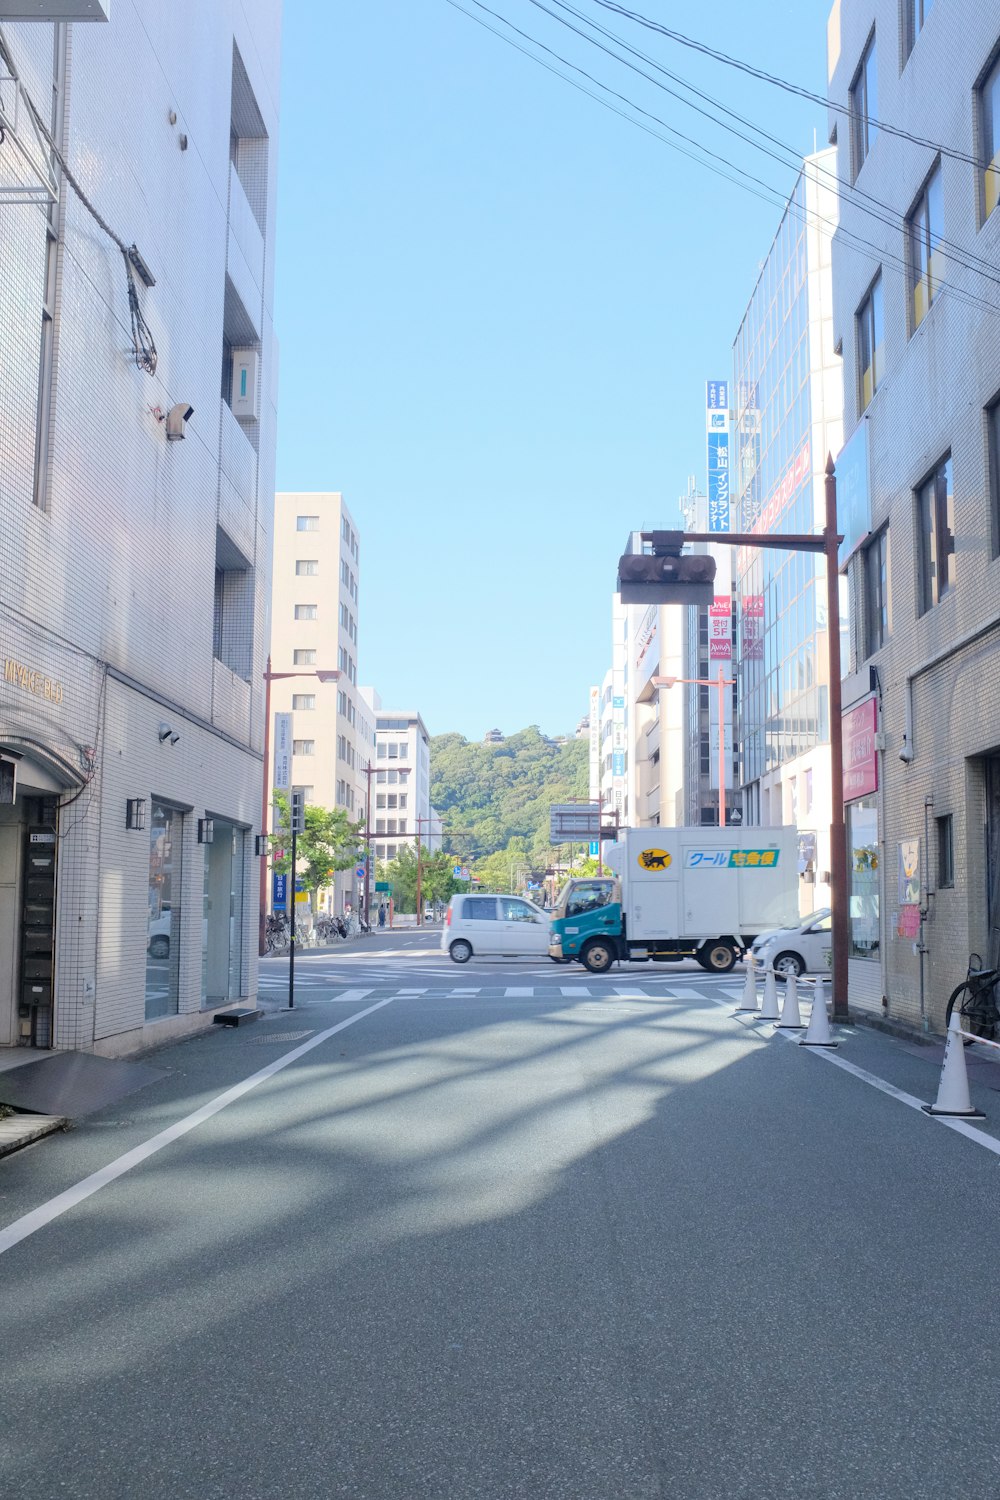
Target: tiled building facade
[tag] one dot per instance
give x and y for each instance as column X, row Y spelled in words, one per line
column 136, row 515
column 916, row 314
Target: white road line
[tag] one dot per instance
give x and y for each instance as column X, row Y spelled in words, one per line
column 573, row 989
column 412, row 992
column 517, row 991
column 476, row 991
column 349, row 995
column 38, row 1218
column 961, row 1127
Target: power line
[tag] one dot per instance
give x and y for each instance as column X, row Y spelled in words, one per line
column 782, row 83
column 774, row 196
column 959, row 253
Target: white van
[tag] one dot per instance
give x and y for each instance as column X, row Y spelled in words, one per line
column 504, row 926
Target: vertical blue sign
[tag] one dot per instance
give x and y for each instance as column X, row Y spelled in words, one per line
column 279, row 888
column 717, row 427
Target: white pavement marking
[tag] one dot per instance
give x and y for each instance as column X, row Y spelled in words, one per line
column 38, row 1218
column 961, row 1127
column 476, row 991
column 412, row 992
column 573, row 989
column 516, row 991
column 349, row 995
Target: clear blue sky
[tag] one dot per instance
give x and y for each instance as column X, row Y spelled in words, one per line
column 497, row 305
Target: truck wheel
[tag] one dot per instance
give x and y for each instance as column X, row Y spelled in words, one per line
column 597, row 956
column 717, row 957
column 461, row 951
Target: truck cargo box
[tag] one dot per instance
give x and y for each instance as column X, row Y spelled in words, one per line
column 706, row 882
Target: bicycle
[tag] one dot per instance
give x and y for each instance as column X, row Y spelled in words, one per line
column 977, row 1002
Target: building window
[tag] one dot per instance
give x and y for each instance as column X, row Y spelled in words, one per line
column 863, row 903
column 915, row 14
column 876, row 564
column 925, row 229
column 303, row 700
column 946, row 852
column 936, row 519
column 307, row 523
column 233, row 607
column 305, row 611
column 993, row 431
column 989, row 97
column 303, row 747
column 864, row 107
column 307, row 793
column 871, row 336
column 304, row 658
column 306, row 567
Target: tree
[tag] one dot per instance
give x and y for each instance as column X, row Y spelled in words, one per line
column 436, row 880
column 330, row 842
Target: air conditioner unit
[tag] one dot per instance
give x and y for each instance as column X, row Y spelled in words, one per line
column 244, row 396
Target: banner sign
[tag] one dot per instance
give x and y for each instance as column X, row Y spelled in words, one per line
column 279, row 892
column 717, row 427
column 283, row 752
column 720, row 636
column 860, row 726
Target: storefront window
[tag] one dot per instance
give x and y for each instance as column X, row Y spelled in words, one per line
column 863, row 877
column 222, row 924
column 164, row 914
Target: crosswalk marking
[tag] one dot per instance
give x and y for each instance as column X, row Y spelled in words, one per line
column 519, row 992
column 350, row 995
column 412, row 992
column 573, row 989
column 476, row 991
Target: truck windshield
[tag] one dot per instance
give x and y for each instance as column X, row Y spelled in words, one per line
column 580, row 896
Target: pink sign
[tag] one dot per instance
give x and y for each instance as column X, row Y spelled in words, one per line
column 860, row 727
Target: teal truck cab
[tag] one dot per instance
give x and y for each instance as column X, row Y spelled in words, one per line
column 674, row 893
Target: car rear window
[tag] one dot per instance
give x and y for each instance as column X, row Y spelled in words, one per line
column 480, row 909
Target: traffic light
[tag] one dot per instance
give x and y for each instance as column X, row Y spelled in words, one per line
column 664, row 576
column 298, row 810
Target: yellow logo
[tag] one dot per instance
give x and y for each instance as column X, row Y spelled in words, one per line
column 654, row 859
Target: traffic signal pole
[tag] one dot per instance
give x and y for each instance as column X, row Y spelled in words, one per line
column 827, row 542
column 291, row 944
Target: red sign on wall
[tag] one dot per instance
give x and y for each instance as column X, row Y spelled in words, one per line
column 860, row 727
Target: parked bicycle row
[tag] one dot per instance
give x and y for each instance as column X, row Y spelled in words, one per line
column 313, row 932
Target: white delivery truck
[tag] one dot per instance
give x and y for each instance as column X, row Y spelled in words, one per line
column 676, row 893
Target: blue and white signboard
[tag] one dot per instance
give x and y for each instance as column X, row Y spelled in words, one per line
column 618, row 763
column 456, row 872
column 279, row 892
column 717, row 428
column 595, row 850
column 854, row 503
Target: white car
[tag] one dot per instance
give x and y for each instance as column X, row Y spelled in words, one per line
column 498, row 926
column 804, row 949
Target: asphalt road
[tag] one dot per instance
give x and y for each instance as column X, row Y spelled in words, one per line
column 564, row 1236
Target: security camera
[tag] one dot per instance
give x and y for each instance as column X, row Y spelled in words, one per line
column 176, row 418
column 906, row 753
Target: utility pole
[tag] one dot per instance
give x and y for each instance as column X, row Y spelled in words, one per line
column 368, row 844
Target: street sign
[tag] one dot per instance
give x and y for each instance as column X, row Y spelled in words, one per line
column 595, row 849
column 382, row 885
column 282, row 752
column 574, row 822
column 279, row 892
column 360, row 872
column 457, row 872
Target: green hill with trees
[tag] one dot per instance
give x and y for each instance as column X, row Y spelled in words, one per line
column 494, row 799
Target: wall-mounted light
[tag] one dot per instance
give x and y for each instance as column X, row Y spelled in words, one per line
column 176, row 418
column 206, row 831
column 135, row 812
column 167, row 732
column 260, row 844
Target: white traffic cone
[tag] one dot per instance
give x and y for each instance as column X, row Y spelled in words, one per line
column 769, row 1009
column 790, row 1018
column 953, row 1088
column 749, row 998
column 818, row 1032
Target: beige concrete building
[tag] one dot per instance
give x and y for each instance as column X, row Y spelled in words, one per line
column 314, row 628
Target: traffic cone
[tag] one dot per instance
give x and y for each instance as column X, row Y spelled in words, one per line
column 749, row 1000
column 953, row 1088
column 769, row 1009
column 818, row 1032
column 790, row 1018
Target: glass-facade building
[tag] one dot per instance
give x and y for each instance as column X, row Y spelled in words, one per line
column 788, row 417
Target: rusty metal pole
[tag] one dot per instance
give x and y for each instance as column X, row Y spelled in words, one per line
column 722, row 751
column 265, row 799
column 838, row 833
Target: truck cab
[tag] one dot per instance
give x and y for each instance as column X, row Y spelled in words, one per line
column 587, row 914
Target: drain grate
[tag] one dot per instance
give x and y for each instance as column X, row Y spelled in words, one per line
column 279, row 1036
